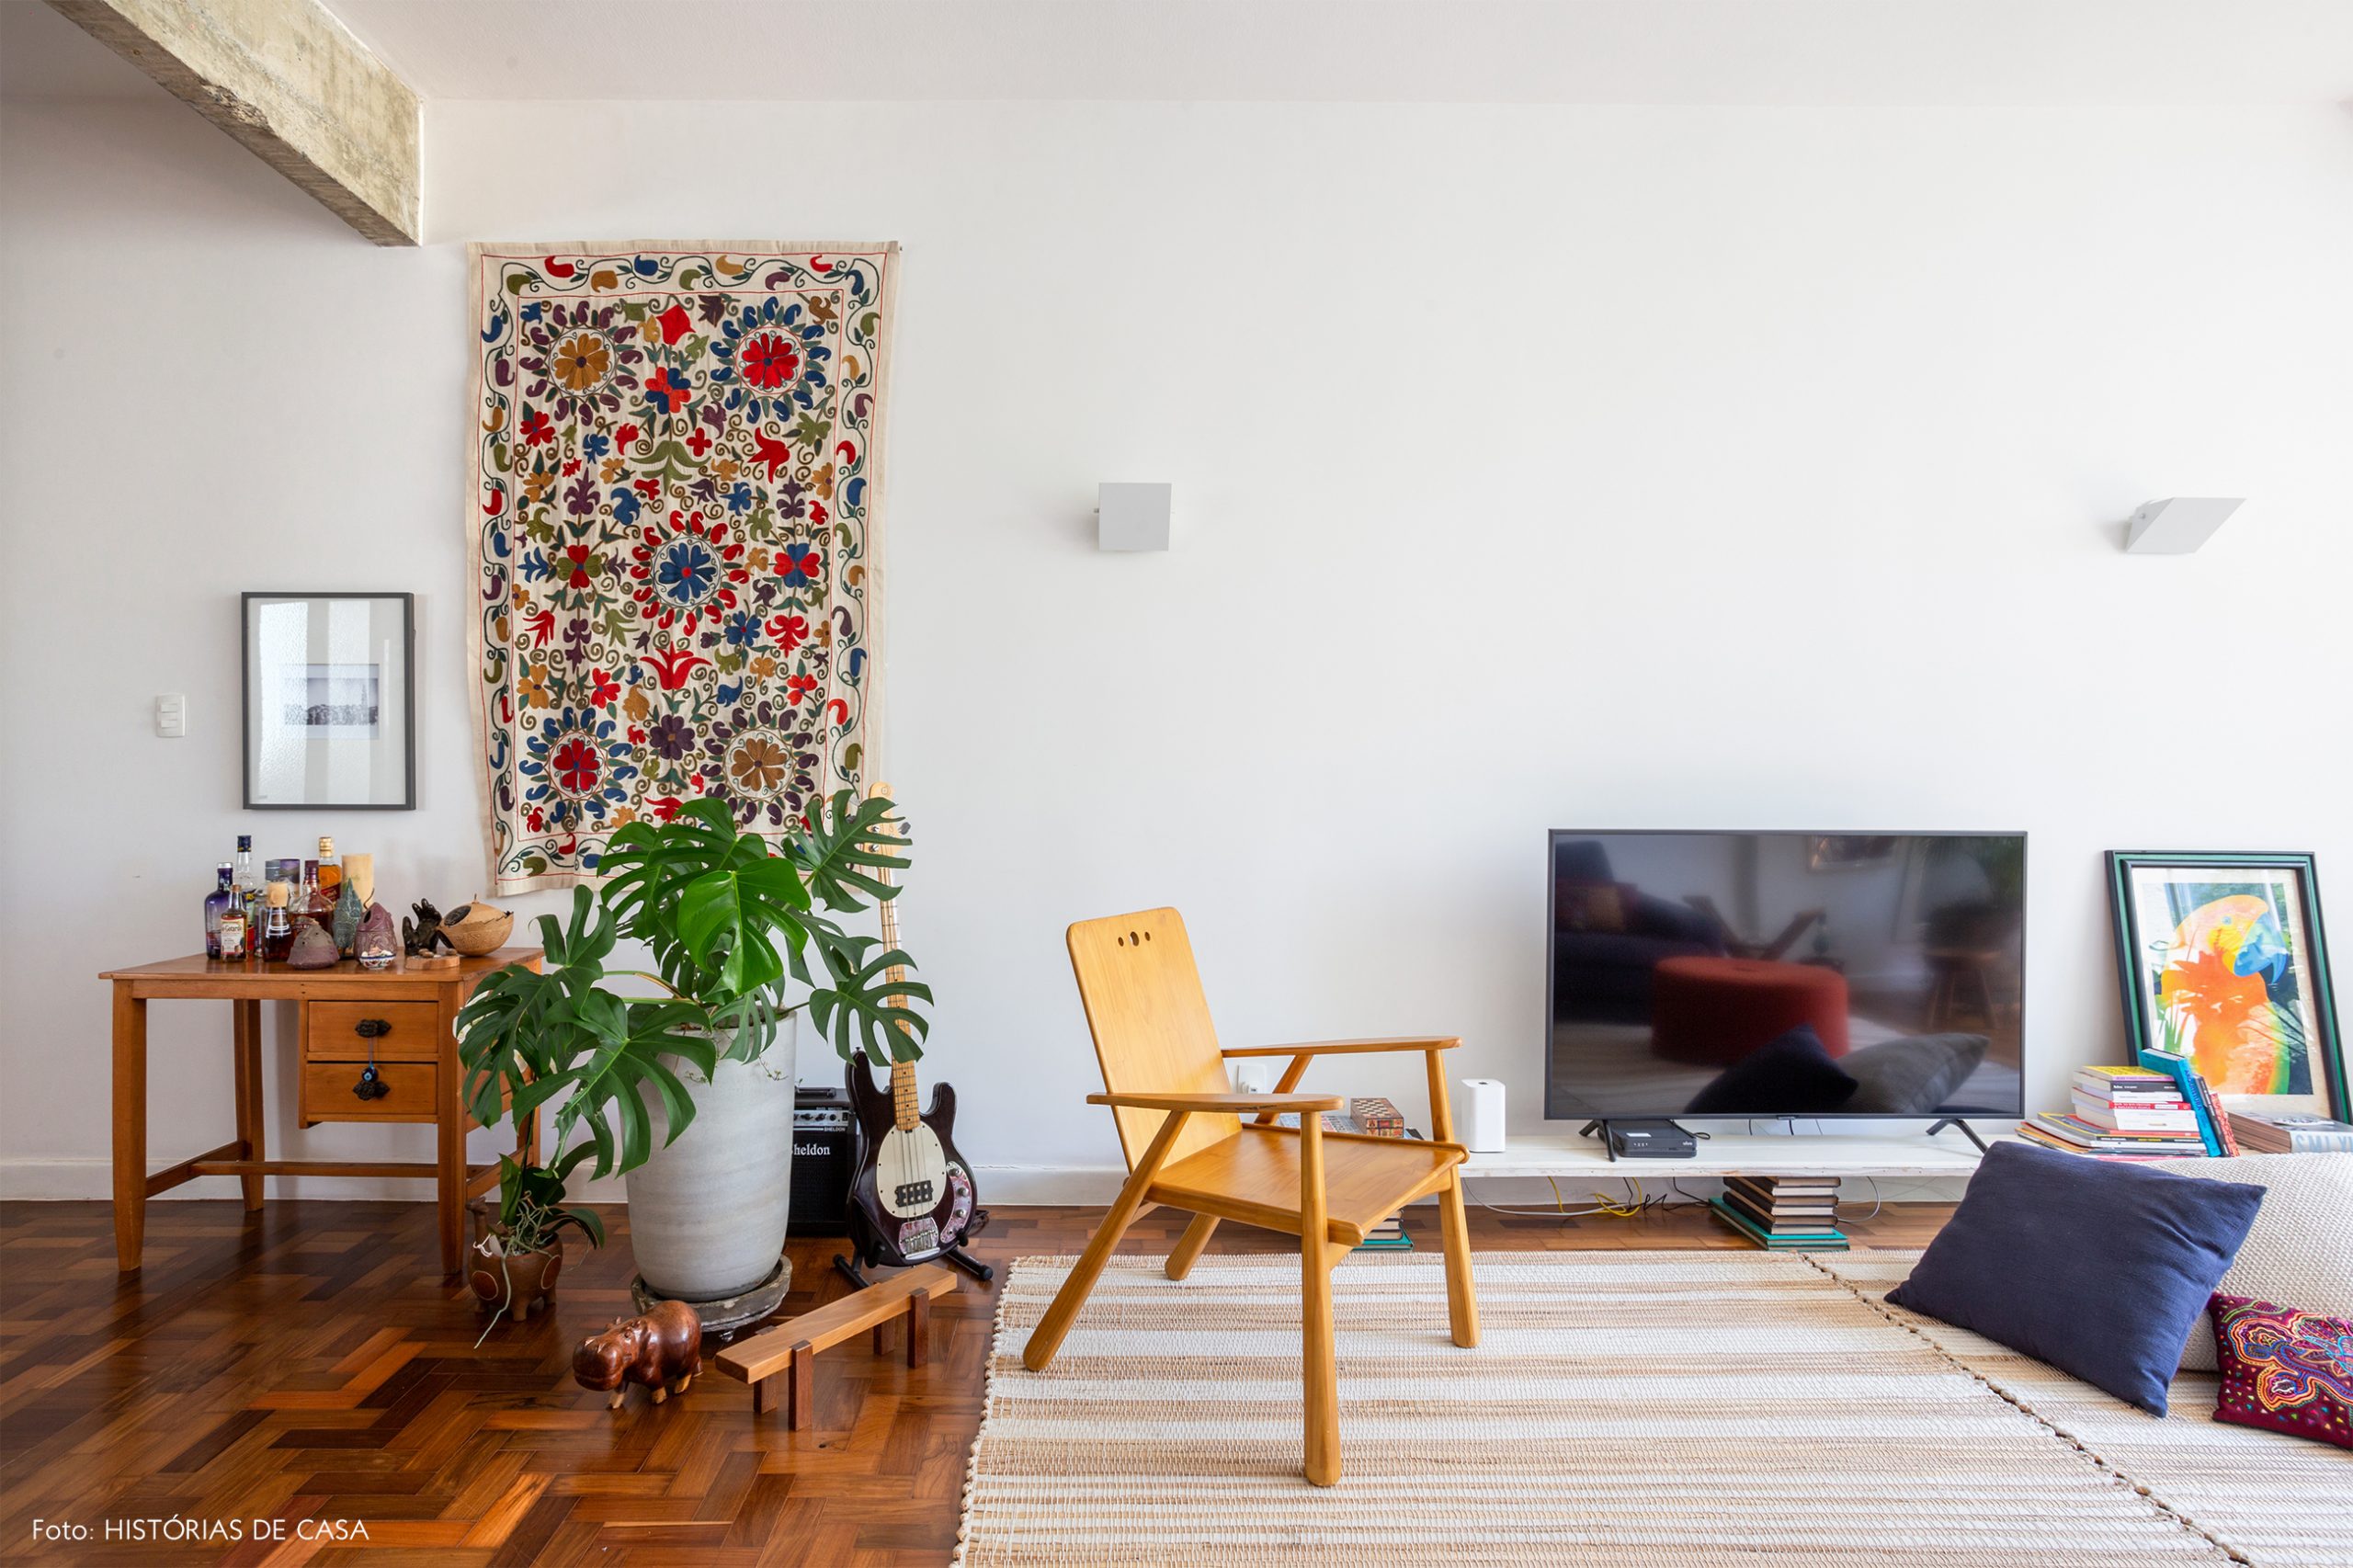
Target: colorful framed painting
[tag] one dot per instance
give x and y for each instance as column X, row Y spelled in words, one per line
column 2223, row 959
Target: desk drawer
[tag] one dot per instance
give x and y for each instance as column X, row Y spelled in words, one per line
column 327, row 1096
column 411, row 1031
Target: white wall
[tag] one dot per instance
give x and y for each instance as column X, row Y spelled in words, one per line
column 1533, row 466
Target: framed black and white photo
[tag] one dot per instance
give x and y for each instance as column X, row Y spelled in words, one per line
column 330, row 714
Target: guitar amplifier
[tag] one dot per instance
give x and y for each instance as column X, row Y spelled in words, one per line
column 824, row 1160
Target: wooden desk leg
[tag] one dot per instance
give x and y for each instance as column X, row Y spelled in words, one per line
column 129, row 1125
column 450, row 1149
column 254, row 1142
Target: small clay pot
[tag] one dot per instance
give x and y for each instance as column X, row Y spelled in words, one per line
column 477, row 929
column 517, row 1281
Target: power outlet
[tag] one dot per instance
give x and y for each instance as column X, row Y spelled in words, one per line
column 171, row 716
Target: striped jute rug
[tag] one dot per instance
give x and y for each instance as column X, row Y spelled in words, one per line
column 1665, row 1408
column 2279, row 1501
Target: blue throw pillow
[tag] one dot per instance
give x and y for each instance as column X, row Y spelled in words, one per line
column 1793, row 1075
column 2097, row 1266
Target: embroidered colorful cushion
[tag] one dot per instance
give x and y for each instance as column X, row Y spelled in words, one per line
column 2283, row 1370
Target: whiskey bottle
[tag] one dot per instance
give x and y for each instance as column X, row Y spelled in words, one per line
column 218, row 903
column 276, row 937
column 330, row 872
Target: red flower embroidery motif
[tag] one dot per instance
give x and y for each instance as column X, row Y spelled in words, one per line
column 603, row 690
column 625, row 437
column 571, row 467
column 537, row 428
column 788, row 630
column 536, row 819
column 797, row 686
column 769, row 359
column 542, row 626
column 576, row 571
column 577, row 765
column 649, row 488
column 670, row 325
column 698, row 443
column 663, row 807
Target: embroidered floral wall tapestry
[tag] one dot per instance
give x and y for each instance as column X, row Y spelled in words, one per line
column 673, row 535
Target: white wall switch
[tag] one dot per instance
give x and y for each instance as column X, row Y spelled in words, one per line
column 2177, row 525
column 171, row 715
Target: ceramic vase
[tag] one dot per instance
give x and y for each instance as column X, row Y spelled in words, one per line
column 707, row 1214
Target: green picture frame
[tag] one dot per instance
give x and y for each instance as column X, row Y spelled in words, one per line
column 2223, row 956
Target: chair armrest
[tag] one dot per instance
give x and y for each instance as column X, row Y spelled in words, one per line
column 1350, row 1047
column 1218, row 1103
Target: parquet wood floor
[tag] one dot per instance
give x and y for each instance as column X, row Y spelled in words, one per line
column 309, row 1363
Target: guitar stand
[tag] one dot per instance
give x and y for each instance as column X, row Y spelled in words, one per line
column 855, row 1272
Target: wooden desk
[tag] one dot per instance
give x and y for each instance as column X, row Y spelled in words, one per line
column 406, row 1015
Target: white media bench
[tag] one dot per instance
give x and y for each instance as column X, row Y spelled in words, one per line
column 1948, row 1153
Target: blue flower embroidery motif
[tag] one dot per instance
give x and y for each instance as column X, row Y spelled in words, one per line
column 687, row 571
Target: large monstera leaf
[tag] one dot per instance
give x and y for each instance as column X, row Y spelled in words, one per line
column 865, row 1011
column 605, row 1088
column 650, row 867
column 730, row 919
column 512, row 1031
column 836, row 855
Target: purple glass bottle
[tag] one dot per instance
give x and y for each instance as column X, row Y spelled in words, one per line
column 221, row 900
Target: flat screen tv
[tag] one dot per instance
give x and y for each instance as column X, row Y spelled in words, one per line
column 1785, row 974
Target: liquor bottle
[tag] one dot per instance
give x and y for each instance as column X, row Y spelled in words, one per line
column 219, row 901
column 330, row 871
column 235, row 946
column 312, row 902
column 277, row 938
column 248, row 884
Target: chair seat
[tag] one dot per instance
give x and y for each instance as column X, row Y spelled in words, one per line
column 1253, row 1177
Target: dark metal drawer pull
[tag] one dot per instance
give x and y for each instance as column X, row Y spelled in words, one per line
column 368, row 1028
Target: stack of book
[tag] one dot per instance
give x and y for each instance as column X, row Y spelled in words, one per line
column 1374, row 1116
column 2289, row 1132
column 2127, row 1113
column 1784, row 1213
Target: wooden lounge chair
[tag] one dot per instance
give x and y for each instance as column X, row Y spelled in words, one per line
column 1186, row 1146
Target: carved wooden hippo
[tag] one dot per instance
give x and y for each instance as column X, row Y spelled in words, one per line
column 662, row 1351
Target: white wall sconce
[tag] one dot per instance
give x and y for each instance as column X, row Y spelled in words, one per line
column 1133, row 516
column 2176, row 524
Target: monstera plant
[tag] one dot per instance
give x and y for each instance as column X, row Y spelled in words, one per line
column 743, row 936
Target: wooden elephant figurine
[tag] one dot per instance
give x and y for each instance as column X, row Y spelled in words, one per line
column 661, row 1351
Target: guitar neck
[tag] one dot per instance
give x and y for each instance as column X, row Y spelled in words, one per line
column 904, row 1112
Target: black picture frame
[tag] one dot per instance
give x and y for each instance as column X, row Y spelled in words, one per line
column 2144, row 1030
column 405, row 720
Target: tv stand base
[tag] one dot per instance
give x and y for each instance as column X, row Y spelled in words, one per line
column 1966, row 1131
column 1643, row 1139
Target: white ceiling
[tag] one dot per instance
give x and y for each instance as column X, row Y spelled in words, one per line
column 1613, row 52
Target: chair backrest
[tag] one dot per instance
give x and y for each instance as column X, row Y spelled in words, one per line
column 1151, row 1023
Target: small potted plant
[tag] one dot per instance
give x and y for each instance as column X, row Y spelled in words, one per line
column 733, row 927
column 519, row 1250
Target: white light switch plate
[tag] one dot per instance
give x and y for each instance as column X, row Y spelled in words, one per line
column 171, row 715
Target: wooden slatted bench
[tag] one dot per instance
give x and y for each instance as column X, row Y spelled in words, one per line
column 785, row 1355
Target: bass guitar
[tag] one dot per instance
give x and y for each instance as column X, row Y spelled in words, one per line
column 911, row 1196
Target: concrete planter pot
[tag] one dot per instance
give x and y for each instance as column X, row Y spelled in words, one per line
column 707, row 1214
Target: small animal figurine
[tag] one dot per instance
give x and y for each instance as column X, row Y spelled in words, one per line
column 421, row 938
column 662, row 1351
